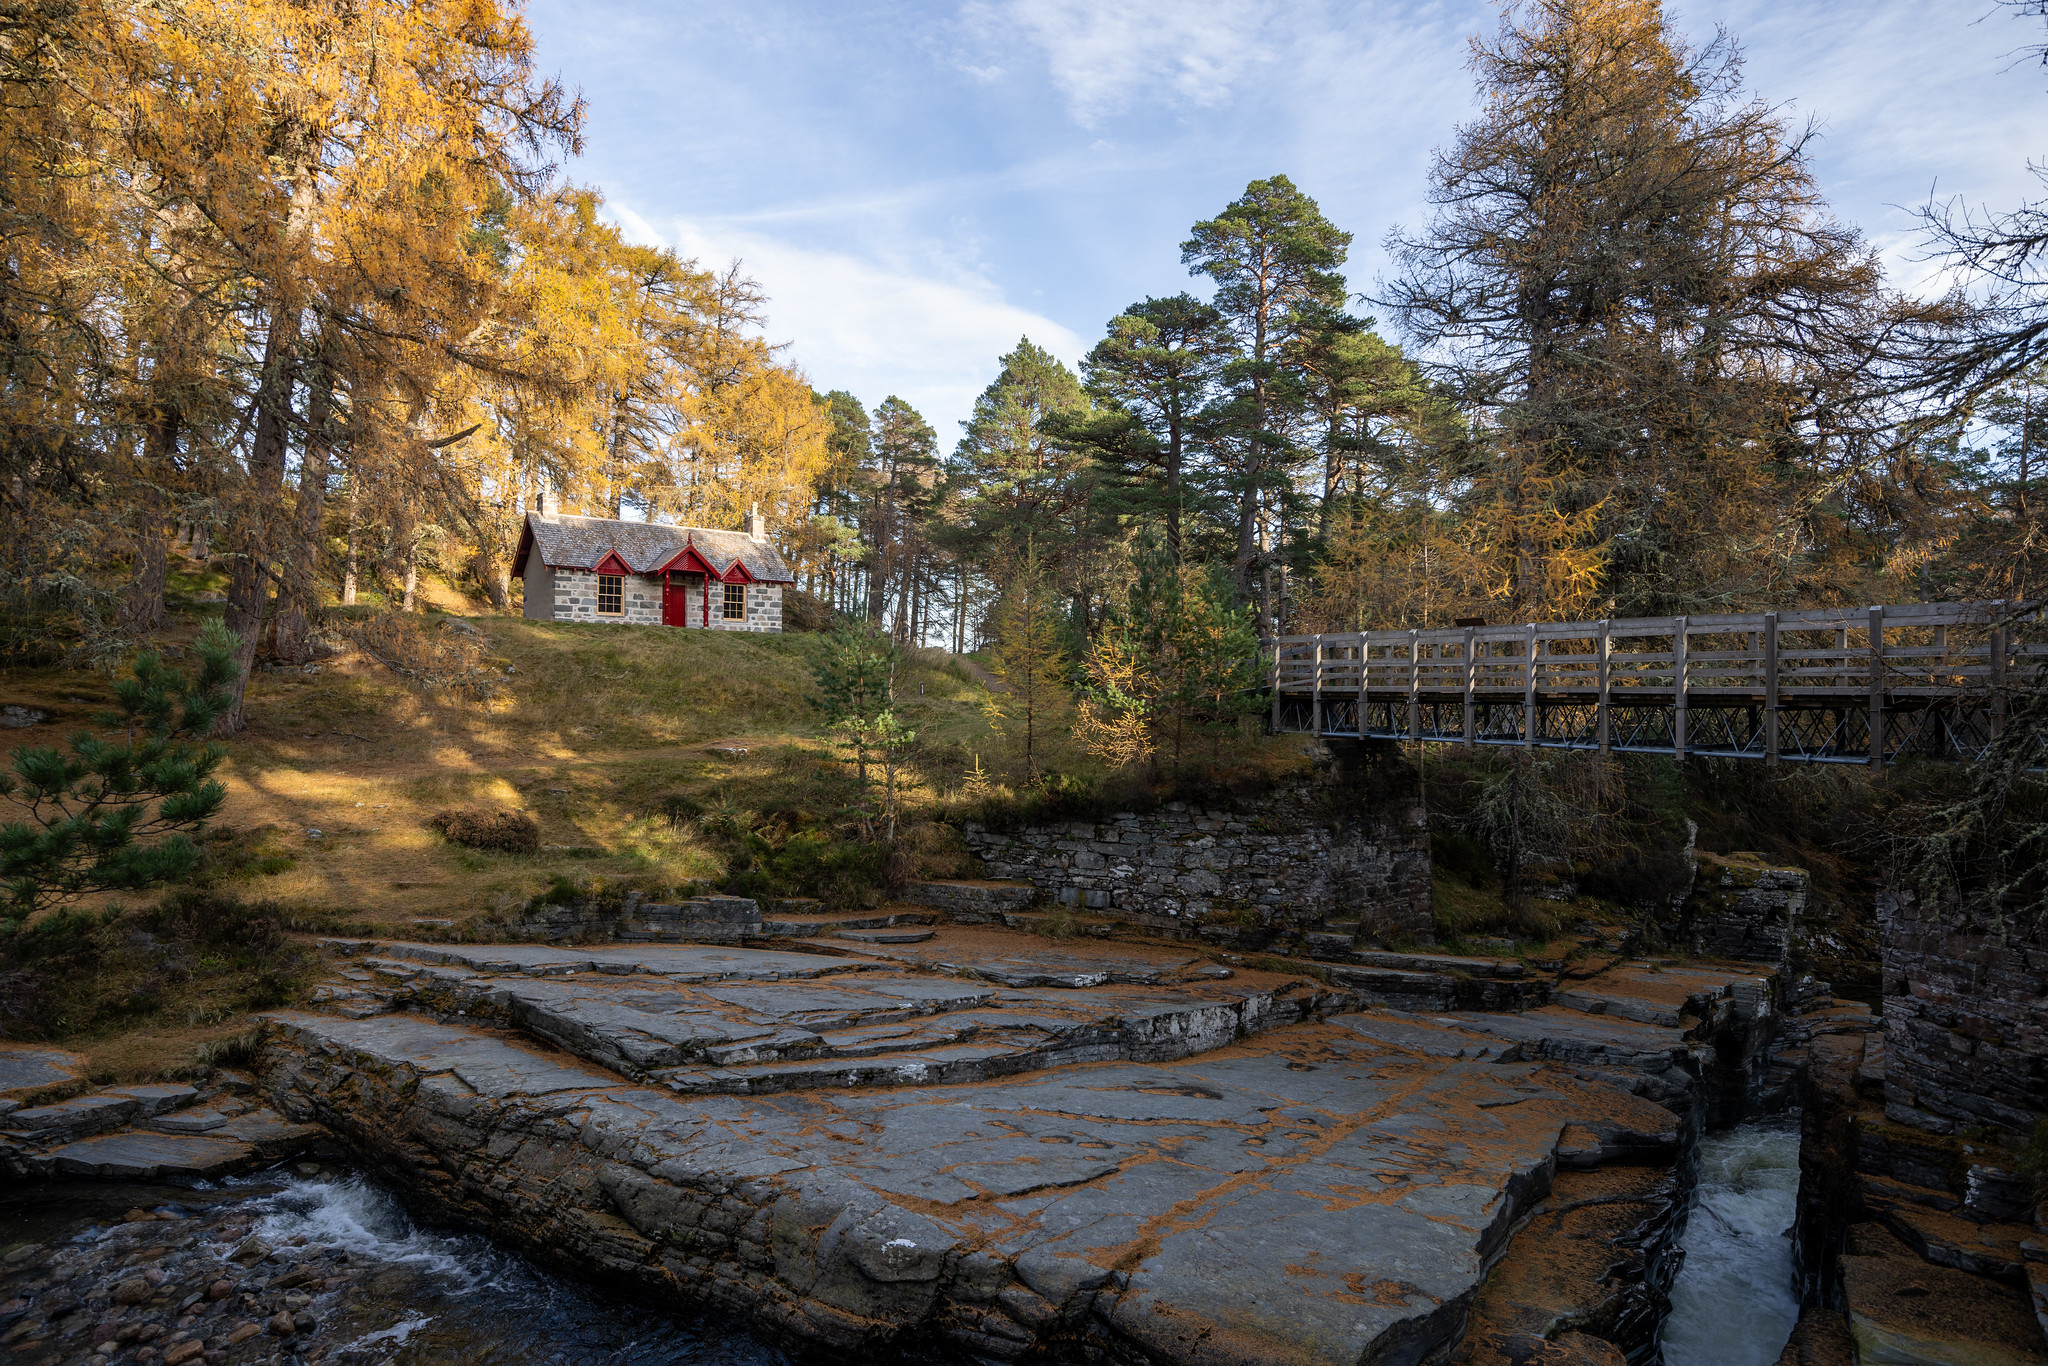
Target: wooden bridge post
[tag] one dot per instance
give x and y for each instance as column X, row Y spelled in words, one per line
column 1471, row 669
column 1316, row 691
column 1771, row 689
column 1997, row 681
column 1276, row 685
column 1602, row 717
column 1877, row 685
column 1364, row 663
column 1414, row 682
column 1678, row 681
column 1529, row 690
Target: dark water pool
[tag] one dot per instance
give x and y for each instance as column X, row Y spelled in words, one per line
column 338, row 1256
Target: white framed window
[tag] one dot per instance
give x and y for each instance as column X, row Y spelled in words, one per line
column 735, row 602
column 611, row 595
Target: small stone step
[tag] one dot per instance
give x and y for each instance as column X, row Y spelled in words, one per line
column 138, row 1156
column 1627, row 1007
column 884, row 936
column 1404, row 990
column 971, row 902
column 155, row 1099
column 1949, row 1240
column 1440, row 962
column 30, row 1069
column 945, row 1065
column 198, row 1120
column 70, row 1119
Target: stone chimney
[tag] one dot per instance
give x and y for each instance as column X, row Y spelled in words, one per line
column 757, row 525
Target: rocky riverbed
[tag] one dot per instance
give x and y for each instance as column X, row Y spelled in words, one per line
column 976, row 1144
column 1130, row 1157
column 307, row 1265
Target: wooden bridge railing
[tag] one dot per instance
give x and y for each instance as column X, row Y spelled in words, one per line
column 1825, row 684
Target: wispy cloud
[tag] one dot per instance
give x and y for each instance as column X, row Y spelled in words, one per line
column 1106, row 56
column 915, row 325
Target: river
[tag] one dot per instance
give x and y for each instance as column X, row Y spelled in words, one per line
column 371, row 1285
column 1736, row 1299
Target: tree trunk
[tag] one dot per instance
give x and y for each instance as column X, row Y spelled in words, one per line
column 348, row 562
column 1173, row 461
column 249, row 580
column 412, row 573
column 142, row 608
column 298, row 590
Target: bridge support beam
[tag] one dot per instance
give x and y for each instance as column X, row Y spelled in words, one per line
column 1604, row 716
column 1471, row 675
column 1771, row 689
column 1678, row 682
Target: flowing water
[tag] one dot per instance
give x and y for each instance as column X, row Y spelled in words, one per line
column 1736, row 1299
column 396, row 1293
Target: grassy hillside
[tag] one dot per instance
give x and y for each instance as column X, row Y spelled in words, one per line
column 648, row 757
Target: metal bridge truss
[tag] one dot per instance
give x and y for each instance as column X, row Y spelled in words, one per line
column 1956, row 730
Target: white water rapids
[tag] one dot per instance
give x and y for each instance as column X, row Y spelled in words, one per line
column 1734, row 1302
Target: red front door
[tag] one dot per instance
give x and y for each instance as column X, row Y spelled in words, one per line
column 677, row 592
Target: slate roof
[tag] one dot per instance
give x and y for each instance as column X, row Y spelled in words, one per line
column 567, row 542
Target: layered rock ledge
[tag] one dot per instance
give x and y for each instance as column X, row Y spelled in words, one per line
column 1182, row 1165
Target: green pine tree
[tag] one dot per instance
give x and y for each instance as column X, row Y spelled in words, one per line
column 114, row 814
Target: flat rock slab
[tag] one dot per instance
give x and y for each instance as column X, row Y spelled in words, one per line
column 151, row 1157
column 1311, row 1195
column 884, row 936
column 155, row 1098
column 1440, row 962
column 71, row 1118
column 1903, row 1310
column 28, row 1069
column 694, row 962
column 876, row 1026
column 994, row 956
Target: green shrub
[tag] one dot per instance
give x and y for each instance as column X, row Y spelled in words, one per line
column 1458, row 854
column 512, row 832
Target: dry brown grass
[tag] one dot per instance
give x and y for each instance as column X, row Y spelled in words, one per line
column 591, row 732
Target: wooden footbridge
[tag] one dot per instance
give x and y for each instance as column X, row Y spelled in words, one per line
column 1829, row 685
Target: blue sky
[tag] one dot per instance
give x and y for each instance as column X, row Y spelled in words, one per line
column 917, row 184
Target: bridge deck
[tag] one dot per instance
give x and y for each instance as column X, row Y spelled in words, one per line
column 1866, row 685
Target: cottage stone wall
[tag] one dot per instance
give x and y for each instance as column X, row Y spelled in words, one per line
column 764, row 609
column 1965, row 1016
column 1255, row 870
column 576, row 598
column 572, row 593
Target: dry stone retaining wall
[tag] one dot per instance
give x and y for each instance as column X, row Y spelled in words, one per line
column 1743, row 908
column 1263, row 865
column 1966, row 1016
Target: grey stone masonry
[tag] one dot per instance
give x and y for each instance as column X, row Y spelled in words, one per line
column 576, row 598
column 1965, row 1016
column 1257, row 869
column 1742, row 907
column 764, row 609
column 973, row 902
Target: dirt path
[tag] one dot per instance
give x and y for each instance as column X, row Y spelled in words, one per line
column 981, row 675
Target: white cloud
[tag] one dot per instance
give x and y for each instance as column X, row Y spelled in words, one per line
column 918, row 327
column 1106, row 56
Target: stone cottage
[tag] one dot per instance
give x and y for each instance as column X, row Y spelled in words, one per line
column 646, row 574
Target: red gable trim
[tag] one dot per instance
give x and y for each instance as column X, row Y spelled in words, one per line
column 738, row 573
column 687, row 561
column 611, row 564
